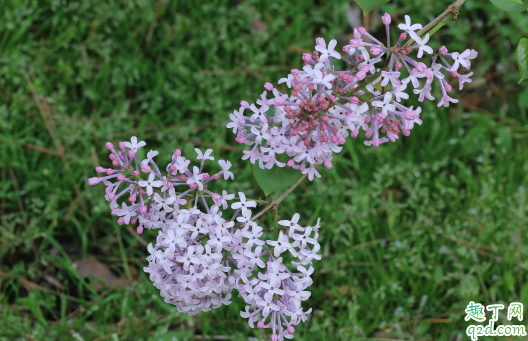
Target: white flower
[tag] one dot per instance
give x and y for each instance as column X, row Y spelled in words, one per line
column 205, row 156
column 422, row 47
column 410, row 28
column 225, row 167
column 135, row 145
column 150, row 156
column 328, row 52
column 150, row 183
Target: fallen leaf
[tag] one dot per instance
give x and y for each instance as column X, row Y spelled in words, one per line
column 90, row 267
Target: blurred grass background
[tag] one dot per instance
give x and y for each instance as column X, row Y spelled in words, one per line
column 411, row 232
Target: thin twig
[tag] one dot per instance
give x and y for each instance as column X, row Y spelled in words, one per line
column 447, row 13
column 281, row 198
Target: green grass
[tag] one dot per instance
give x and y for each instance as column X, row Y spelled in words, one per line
column 412, row 231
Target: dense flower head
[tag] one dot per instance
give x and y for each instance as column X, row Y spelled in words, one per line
column 200, row 255
column 325, row 105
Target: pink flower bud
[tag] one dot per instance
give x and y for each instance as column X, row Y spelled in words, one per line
column 146, row 169
column 192, row 185
column 321, row 99
column 169, row 185
column 177, row 153
column 392, row 136
column 367, row 120
column 403, row 36
column 295, row 72
column 454, row 73
column 294, row 132
column 143, row 209
column 131, row 154
column 355, row 133
column 132, row 198
column 349, row 78
column 114, row 211
column 120, row 221
column 205, row 175
column 375, row 50
column 341, row 140
column 331, row 98
column 274, row 337
column 398, row 65
column 361, row 30
column 93, row 181
column 173, row 169
column 139, row 229
column 307, row 142
column 121, row 177
column 333, row 139
column 135, row 173
column 328, row 164
column 442, row 50
column 268, row 86
column 325, row 119
column 111, row 196
column 109, row 171
column 99, row 169
column 421, row 67
column 448, row 87
column 386, row 19
column 375, row 142
column 183, row 177
column 341, row 74
column 324, row 138
column 361, row 75
column 365, row 68
column 296, row 88
column 355, row 43
column 354, row 100
column 356, row 33
column 279, row 101
column 244, row 104
column 122, row 145
column 121, row 154
column 109, row 145
column 306, row 57
column 368, row 134
column 133, row 221
column 297, row 79
column 216, row 176
column 260, row 324
column 216, row 198
column 290, row 162
column 361, row 57
column 320, row 42
column 345, row 49
column 112, row 157
column 290, row 329
column 406, row 132
column 409, row 115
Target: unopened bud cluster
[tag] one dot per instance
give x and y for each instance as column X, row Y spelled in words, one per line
column 326, row 105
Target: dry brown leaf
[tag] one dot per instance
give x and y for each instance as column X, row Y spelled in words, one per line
column 90, row 267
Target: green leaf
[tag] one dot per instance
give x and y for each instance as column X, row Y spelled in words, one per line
column 511, row 5
column 522, row 58
column 369, row 5
column 271, row 180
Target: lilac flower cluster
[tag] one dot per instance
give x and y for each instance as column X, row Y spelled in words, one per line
column 327, row 105
column 199, row 257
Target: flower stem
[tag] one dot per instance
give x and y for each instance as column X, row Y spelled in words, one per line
column 281, row 198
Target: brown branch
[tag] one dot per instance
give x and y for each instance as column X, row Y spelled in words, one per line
column 281, row 198
column 448, row 12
